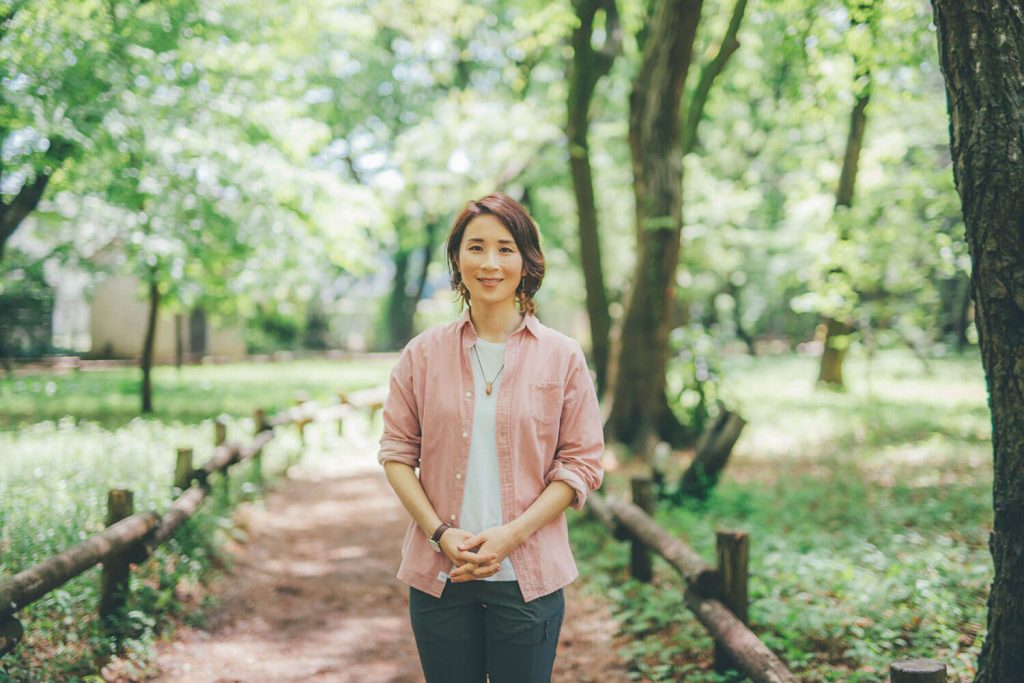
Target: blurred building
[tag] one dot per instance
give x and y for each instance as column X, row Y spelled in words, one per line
column 117, row 326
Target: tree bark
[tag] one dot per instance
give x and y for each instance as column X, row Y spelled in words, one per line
column 586, row 68
column 638, row 387
column 981, row 49
column 146, row 362
column 837, row 337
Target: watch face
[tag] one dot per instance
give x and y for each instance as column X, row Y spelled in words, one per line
column 434, row 544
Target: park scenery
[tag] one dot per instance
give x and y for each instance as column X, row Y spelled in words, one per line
column 787, row 234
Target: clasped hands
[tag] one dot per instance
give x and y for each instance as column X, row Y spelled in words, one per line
column 477, row 556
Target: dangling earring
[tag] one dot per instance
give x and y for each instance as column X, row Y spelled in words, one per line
column 463, row 291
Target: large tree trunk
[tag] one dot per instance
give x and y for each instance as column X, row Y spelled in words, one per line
column 837, row 337
column 147, row 346
column 638, row 387
column 981, row 46
column 658, row 139
column 586, row 68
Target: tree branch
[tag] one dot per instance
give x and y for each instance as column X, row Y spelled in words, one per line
column 695, row 110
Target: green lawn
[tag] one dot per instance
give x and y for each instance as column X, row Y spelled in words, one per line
column 189, row 395
column 868, row 511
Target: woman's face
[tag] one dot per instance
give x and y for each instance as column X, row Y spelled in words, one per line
column 490, row 262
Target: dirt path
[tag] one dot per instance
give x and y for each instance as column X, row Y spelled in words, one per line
column 312, row 594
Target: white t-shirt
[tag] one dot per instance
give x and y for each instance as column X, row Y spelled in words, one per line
column 481, row 503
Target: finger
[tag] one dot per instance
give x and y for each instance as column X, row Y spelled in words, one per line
column 463, row 570
column 472, row 542
column 486, row 570
column 477, row 558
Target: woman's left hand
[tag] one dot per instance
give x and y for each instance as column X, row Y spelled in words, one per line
column 498, row 540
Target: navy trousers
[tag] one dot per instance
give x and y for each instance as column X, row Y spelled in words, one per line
column 483, row 628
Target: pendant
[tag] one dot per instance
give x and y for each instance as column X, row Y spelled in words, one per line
column 488, row 387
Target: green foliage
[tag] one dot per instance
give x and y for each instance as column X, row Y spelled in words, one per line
column 868, row 514
column 26, row 305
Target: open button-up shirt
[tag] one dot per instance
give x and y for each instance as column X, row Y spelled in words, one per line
column 548, row 426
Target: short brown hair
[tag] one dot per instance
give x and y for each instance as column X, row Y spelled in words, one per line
column 524, row 231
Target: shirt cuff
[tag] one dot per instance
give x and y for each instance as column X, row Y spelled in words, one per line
column 562, row 473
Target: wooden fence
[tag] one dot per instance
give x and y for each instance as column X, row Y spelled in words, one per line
column 131, row 538
column 717, row 595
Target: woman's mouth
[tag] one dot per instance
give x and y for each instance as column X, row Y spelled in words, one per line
column 489, row 282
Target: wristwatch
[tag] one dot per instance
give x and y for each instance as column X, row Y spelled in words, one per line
column 435, row 540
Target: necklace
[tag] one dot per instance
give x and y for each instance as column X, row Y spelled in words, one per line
column 488, row 385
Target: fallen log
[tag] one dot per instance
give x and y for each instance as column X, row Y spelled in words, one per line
column 751, row 657
column 33, row 583
column 713, row 450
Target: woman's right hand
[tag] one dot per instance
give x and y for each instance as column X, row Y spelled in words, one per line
column 483, row 564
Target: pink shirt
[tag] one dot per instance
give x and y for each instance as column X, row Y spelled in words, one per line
column 548, row 425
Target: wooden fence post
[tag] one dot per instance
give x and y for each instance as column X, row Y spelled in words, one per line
column 300, row 424
column 259, row 420
column 640, row 557
column 917, row 671
column 733, row 571
column 114, row 580
column 342, row 400
column 220, row 437
column 11, row 632
column 220, row 432
column 183, row 469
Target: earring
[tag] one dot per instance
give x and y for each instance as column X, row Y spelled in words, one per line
column 463, row 291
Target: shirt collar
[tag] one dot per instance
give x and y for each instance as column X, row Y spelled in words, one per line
column 465, row 326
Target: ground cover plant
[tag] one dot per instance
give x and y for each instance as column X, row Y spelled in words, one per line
column 868, row 510
column 55, row 474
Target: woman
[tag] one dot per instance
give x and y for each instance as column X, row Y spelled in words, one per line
column 499, row 414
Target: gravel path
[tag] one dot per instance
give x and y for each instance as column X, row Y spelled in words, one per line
column 312, row 594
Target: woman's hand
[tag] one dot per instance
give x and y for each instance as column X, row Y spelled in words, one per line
column 497, row 542
column 452, row 542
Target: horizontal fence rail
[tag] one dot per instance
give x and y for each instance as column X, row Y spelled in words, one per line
column 132, row 538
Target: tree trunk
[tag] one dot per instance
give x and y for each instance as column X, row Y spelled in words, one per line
column 638, row 387
column 586, row 68
column 179, row 341
column 658, row 138
column 981, row 48
column 148, row 344
column 837, row 337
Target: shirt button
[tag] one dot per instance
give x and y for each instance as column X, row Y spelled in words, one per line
column 464, row 435
column 452, row 517
column 458, row 475
column 469, row 394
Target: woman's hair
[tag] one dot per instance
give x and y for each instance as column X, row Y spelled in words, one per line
column 524, row 231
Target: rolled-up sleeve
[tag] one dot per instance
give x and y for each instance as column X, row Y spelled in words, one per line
column 577, row 459
column 401, row 439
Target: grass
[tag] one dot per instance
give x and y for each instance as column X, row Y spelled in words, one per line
column 868, row 511
column 71, row 438
column 189, row 395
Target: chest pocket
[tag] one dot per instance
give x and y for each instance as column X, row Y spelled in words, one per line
column 546, row 401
